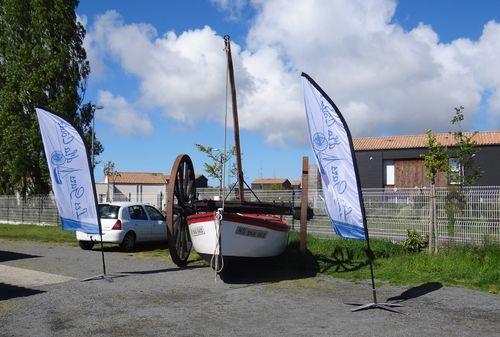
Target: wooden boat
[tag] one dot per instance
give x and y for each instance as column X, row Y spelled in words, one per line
column 222, row 228
column 241, row 235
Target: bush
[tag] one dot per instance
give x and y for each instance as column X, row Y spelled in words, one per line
column 414, row 242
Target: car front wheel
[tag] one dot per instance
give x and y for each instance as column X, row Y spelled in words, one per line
column 86, row 245
column 128, row 243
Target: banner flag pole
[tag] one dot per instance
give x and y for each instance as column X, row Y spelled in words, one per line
column 72, row 179
column 333, row 148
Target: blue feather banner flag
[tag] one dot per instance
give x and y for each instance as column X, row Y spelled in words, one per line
column 332, row 145
column 72, row 181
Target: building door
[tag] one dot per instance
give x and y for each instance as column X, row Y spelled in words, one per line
column 411, row 173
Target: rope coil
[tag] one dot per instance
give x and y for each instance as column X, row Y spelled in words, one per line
column 214, row 261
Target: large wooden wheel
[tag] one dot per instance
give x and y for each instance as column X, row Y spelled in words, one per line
column 180, row 203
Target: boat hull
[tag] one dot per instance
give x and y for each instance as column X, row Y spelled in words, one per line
column 242, row 235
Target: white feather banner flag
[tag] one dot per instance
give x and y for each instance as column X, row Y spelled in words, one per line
column 72, row 182
column 333, row 148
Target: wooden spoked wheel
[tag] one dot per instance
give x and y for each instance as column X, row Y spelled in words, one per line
column 180, row 204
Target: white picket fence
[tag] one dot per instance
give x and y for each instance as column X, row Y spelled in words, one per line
column 390, row 213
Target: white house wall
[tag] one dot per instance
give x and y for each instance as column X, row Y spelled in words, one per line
column 151, row 194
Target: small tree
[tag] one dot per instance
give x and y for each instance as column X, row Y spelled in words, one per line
column 466, row 173
column 109, row 172
column 217, row 160
column 464, row 152
column 436, row 161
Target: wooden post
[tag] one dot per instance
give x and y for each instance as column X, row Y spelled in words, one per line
column 432, row 196
column 303, row 204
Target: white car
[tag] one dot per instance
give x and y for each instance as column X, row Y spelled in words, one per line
column 126, row 223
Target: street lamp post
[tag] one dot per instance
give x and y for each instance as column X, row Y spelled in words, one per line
column 94, row 108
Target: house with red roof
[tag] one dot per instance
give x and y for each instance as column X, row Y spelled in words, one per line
column 395, row 161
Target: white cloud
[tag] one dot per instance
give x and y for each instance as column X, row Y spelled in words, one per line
column 232, row 7
column 121, row 115
column 384, row 79
column 183, row 75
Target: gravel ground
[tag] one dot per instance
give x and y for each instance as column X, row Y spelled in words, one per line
column 154, row 298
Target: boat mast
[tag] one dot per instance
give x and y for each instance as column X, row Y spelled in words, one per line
column 235, row 118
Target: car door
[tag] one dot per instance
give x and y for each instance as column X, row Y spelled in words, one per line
column 159, row 228
column 140, row 222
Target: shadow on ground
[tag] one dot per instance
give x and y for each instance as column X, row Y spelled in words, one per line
column 415, row 292
column 8, row 291
column 341, row 260
column 140, row 247
column 192, row 264
column 291, row 265
column 10, row 256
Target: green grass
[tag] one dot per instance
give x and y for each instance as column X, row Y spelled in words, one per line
column 37, row 233
column 468, row 266
column 54, row 234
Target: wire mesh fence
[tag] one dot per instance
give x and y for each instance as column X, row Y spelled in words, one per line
column 40, row 210
column 466, row 215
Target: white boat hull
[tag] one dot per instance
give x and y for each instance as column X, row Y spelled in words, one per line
column 252, row 236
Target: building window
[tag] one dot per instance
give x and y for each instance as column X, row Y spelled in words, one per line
column 389, row 176
column 138, row 193
column 456, row 172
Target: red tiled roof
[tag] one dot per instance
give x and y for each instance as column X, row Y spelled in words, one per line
column 269, row 181
column 296, row 182
column 144, row 178
column 140, row 178
column 420, row 141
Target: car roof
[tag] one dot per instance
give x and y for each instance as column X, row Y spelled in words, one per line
column 123, row 203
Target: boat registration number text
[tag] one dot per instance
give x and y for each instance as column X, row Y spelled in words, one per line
column 254, row 233
column 197, row 230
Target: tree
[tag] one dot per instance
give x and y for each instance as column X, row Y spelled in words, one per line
column 465, row 172
column 42, row 64
column 464, row 151
column 217, row 160
column 110, row 173
column 437, row 160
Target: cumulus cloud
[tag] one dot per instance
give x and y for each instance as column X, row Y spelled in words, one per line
column 385, row 80
column 183, row 75
column 121, row 115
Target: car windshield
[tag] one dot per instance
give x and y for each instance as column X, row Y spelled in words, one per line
column 108, row 211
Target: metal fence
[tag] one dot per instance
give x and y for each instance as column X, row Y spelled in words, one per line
column 463, row 215
column 39, row 210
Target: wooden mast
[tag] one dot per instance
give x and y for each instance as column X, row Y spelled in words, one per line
column 235, row 118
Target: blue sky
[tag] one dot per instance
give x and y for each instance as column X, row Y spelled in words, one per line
column 392, row 68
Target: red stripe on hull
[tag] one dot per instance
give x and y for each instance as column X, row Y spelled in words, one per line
column 258, row 220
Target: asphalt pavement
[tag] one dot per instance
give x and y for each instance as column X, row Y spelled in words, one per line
column 41, row 295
